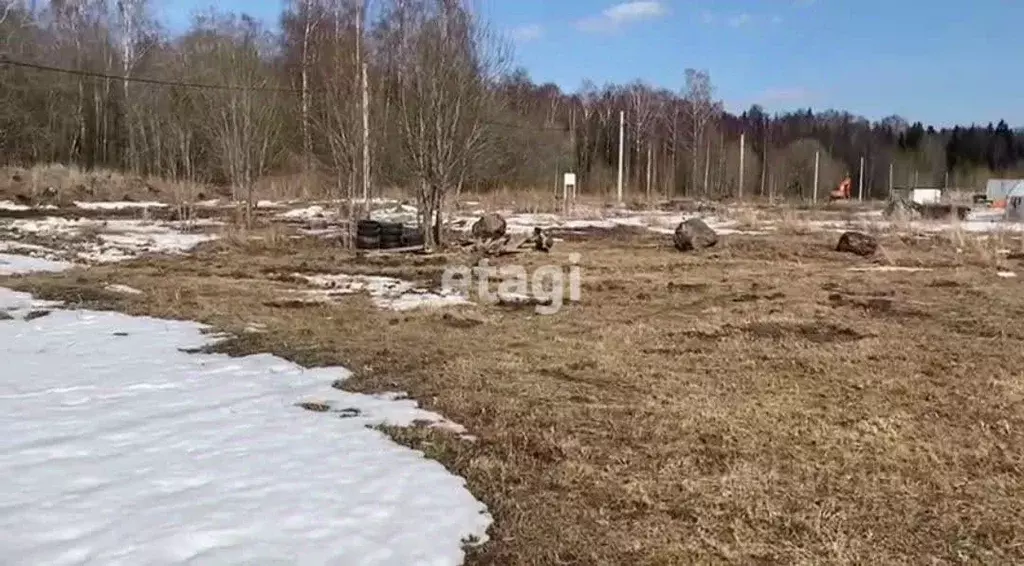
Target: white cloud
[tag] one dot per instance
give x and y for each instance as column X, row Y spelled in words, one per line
column 743, row 19
column 529, row 32
column 740, row 20
column 622, row 14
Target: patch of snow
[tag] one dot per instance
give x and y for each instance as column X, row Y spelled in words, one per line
column 1006, row 274
column 395, row 212
column 888, row 268
column 24, row 248
column 19, row 264
column 655, row 221
column 313, row 212
column 119, row 448
column 385, row 292
column 118, row 205
column 9, row 205
column 119, row 288
column 115, row 240
column 255, row 327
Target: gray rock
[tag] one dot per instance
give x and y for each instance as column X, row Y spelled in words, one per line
column 489, row 226
column 857, row 243
column 694, row 235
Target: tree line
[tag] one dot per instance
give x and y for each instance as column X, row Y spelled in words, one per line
column 420, row 94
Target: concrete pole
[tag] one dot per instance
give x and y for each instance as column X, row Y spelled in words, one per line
column 860, row 181
column 743, row 146
column 817, row 165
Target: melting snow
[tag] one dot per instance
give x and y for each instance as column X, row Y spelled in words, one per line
column 118, row 205
column 385, row 292
column 308, row 213
column 114, row 240
column 8, row 205
column 889, row 268
column 119, row 288
column 118, row 448
column 16, row 264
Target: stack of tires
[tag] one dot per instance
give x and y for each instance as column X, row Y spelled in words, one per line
column 391, row 235
column 368, row 235
column 374, row 235
column 412, row 236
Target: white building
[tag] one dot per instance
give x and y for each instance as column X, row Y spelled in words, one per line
column 1015, row 203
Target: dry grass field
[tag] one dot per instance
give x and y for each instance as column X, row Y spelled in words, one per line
column 759, row 403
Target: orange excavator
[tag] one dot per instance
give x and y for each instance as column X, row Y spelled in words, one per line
column 842, row 192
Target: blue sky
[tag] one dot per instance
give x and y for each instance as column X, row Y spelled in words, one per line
column 941, row 62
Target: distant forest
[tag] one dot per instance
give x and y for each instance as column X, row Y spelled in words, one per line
column 135, row 103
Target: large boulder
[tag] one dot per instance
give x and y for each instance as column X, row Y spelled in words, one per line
column 857, row 243
column 693, row 234
column 488, row 227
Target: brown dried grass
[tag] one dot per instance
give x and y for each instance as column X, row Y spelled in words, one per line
column 755, row 404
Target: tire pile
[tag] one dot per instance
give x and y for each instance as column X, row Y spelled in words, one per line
column 374, row 235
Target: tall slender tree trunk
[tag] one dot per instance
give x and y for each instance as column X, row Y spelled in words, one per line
column 707, row 165
column 650, row 154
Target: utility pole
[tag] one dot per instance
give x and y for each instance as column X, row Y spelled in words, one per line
column 743, row 145
column 366, row 138
column 860, row 180
column 817, row 164
column 622, row 135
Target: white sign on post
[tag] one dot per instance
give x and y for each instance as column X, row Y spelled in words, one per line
column 568, row 188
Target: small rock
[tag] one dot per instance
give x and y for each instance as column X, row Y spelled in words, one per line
column 489, row 226
column 694, row 234
column 315, row 407
column 542, row 240
column 857, row 243
column 4, row 315
column 36, row 314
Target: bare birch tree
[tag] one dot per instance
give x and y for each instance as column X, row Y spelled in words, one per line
column 446, row 63
column 243, row 119
column 701, row 109
column 338, row 117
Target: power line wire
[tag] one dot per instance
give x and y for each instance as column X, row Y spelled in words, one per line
column 159, row 82
column 92, row 74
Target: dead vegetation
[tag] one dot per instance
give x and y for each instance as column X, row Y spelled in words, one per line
column 759, row 403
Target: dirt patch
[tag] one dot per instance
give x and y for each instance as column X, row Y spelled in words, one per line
column 816, row 332
column 585, row 233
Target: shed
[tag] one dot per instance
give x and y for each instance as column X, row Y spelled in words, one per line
column 996, row 190
column 1015, row 204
